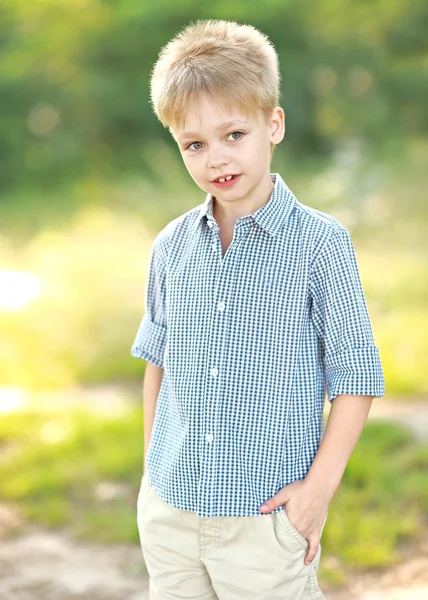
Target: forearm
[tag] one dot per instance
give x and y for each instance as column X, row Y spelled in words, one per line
column 348, row 415
column 151, row 387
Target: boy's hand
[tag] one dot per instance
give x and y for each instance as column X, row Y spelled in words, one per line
column 305, row 510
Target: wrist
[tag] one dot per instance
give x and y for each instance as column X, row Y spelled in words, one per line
column 321, row 487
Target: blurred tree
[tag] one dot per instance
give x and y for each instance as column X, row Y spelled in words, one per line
column 74, row 80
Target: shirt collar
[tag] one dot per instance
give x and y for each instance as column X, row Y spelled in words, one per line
column 270, row 217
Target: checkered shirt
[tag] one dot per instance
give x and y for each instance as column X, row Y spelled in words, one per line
column 251, row 344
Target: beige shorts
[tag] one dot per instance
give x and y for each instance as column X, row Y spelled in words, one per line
column 222, row 558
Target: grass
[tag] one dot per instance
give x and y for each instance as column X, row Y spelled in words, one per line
column 81, row 471
column 380, row 505
column 74, row 469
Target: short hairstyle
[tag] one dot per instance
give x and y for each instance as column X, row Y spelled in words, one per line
column 235, row 64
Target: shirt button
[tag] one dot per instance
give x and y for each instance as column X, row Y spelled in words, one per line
column 221, row 306
column 214, row 371
column 214, row 247
column 210, row 224
column 209, row 437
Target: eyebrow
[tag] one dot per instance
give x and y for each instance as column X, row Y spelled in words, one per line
column 193, row 134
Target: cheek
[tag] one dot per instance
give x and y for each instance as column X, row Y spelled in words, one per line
column 254, row 155
column 261, row 151
column 193, row 163
column 193, row 167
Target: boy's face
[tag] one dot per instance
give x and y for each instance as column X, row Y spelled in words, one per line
column 212, row 147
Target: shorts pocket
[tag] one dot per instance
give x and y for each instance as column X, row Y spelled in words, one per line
column 283, row 517
column 314, row 590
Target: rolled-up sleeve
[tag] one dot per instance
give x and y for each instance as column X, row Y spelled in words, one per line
column 149, row 343
column 339, row 312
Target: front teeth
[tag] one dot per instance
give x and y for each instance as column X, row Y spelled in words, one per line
column 223, row 179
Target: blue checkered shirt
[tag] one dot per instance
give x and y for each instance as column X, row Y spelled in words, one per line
column 251, row 344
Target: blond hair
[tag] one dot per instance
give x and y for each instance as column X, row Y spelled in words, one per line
column 235, row 64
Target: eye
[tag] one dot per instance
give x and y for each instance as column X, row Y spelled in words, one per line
column 192, row 144
column 239, row 133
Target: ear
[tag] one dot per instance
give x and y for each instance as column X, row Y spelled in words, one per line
column 277, row 125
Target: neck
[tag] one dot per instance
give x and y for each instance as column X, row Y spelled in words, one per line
column 228, row 213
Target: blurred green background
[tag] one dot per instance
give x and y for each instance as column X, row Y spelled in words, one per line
column 88, row 176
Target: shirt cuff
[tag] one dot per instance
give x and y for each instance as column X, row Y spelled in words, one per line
column 149, row 343
column 355, row 371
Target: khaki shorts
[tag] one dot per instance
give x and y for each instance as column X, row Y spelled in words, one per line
column 222, row 558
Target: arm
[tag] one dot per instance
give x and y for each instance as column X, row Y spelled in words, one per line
column 347, row 417
column 311, row 496
column 353, row 376
column 150, row 341
column 353, row 371
column 346, row 421
column 152, row 382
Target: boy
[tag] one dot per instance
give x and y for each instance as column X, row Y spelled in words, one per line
column 254, row 307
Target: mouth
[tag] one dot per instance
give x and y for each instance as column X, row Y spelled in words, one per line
column 223, row 178
column 226, row 180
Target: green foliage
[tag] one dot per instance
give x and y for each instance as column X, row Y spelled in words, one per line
column 74, row 469
column 74, row 78
column 380, row 504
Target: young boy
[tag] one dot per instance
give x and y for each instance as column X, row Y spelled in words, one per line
column 254, row 308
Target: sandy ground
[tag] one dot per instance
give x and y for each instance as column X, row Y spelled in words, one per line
column 46, row 566
column 41, row 565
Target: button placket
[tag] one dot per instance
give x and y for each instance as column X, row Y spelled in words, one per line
column 214, row 359
column 215, row 333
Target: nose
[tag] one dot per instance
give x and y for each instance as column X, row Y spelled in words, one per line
column 217, row 157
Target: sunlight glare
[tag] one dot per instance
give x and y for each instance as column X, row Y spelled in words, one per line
column 18, row 289
column 12, row 399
